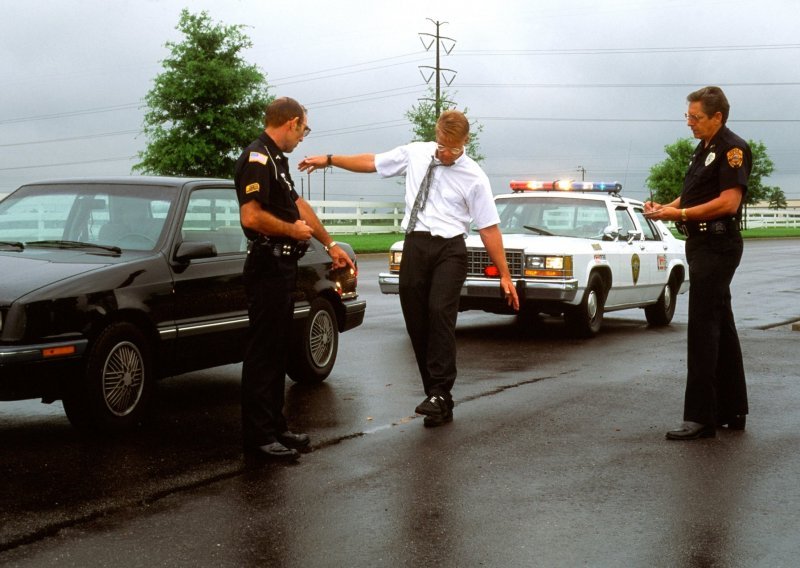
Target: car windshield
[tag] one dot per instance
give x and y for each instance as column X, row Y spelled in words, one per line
column 95, row 215
column 559, row 216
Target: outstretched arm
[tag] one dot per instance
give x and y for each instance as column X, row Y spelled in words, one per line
column 359, row 163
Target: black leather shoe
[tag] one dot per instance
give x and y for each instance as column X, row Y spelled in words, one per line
column 692, row 431
column 735, row 422
column 274, row 451
column 292, row 440
column 434, row 421
column 432, row 406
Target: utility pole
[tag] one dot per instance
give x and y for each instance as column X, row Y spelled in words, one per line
column 583, row 172
column 438, row 70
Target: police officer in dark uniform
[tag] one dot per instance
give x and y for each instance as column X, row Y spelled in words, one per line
column 278, row 225
column 709, row 212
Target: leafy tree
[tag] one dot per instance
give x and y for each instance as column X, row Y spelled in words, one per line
column 666, row 177
column 207, row 104
column 423, row 121
column 777, row 199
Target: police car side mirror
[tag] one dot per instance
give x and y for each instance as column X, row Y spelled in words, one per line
column 634, row 236
column 611, row 233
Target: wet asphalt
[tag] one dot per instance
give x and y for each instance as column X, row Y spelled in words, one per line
column 556, row 456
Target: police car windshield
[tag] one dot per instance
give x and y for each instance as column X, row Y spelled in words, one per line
column 559, row 216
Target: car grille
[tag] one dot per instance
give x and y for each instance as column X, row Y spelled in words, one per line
column 478, row 260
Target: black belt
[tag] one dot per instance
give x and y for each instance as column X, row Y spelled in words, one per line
column 702, row 228
column 279, row 247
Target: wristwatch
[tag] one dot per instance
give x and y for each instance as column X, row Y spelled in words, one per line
column 683, row 215
column 330, row 160
column 330, row 245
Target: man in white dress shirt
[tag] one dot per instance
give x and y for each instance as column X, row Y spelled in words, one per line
column 446, row 190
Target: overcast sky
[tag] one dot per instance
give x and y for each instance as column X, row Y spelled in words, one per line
column 557, row 85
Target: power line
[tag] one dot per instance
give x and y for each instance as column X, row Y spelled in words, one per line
column 72, row 138
column 629, row 50
column 39, row 166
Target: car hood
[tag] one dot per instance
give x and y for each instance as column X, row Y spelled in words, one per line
column 20, row 275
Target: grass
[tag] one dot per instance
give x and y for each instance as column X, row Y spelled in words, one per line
column 364, row 244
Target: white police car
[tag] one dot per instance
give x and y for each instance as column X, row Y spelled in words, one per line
column 574, row 248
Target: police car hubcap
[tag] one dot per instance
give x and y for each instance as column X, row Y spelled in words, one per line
column 321, row 338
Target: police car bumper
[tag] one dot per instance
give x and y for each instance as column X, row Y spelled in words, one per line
column 389, row 283
column 528, row 289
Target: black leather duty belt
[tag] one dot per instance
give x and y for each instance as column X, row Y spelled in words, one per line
column 279, row 247
column 702, row 228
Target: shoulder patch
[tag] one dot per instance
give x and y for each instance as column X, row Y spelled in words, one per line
column 735, row 157
column 258, row 157
column 252, row 188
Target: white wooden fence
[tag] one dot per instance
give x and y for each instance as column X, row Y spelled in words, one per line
column 359, row 217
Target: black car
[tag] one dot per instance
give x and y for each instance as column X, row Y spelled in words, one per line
column 109, row 284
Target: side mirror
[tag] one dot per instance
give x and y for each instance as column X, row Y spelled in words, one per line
column 634, row 236
column 611, row 233
column 190, row 250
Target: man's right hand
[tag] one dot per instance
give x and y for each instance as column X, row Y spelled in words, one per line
column 301, row 231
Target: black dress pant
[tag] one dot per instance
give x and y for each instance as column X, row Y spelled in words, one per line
column 715, row 385
column 270, row 283
column 431, row 276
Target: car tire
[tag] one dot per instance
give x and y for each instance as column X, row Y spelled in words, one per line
column 114, row 392
column 662, row 311
column 314, row 350
column 586, row 319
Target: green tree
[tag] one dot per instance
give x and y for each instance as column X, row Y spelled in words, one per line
column 666, row 177
column 206, row 105
column 777, row 199
column 423, row 121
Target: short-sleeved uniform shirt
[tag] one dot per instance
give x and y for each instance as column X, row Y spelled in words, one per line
column 723, row 164
column 262, row 174
column 458, row 194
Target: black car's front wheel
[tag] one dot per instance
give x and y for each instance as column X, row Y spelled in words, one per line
column 314, row 351
column 114, row 391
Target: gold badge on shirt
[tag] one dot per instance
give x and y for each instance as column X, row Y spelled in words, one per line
column 252, row 187
column 735, row 157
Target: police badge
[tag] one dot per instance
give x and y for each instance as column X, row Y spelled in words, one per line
column 735, row 157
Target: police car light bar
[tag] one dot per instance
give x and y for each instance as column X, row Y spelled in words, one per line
column 566, row 185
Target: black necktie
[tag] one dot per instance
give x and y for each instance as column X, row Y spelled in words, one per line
column 422, row 195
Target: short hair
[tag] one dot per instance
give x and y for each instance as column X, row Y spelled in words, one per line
column 712, row 100
column 453, row 124
column 282, row 110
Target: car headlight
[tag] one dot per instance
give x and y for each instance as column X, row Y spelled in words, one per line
column 395, row 257
column 548, row 266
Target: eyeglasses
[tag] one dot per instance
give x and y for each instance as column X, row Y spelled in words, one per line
column 693, row 117
column 306, row 131
column 454, row 151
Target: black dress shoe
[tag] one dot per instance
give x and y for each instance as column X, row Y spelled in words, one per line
column 274, row 451
column 735, row 422
column 692, row 431
column 434, row 421
column 292, row 440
